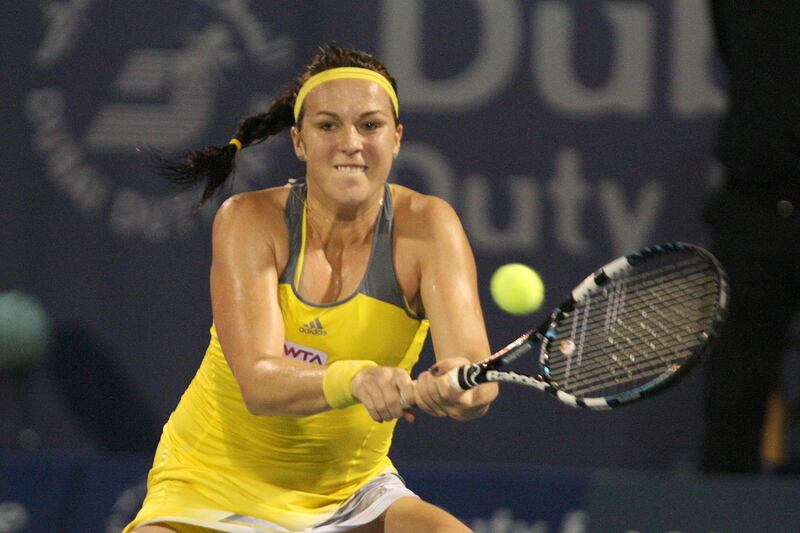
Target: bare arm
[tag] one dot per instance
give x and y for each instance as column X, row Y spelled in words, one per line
column 244, row 296
column 448, row 286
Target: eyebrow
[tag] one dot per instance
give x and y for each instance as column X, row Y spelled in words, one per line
column 362, row 115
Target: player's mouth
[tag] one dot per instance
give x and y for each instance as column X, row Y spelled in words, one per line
column 351, row 169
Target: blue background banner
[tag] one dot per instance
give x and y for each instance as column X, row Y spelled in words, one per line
column 102, row 493
column 565, row 133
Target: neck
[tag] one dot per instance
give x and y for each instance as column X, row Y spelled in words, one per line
column 344, row 226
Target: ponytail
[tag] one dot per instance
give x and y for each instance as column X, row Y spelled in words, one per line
column 213, row 165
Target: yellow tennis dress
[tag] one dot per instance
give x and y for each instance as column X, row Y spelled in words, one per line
column 219, row 467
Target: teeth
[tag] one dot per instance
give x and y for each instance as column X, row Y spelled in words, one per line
column 350, row 168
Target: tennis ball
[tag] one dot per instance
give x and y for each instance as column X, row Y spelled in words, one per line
column 517, row 289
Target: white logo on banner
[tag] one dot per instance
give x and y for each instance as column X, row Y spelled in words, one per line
column 570, row 208
column 160, row 98
column 165, row 98
column 503, row 521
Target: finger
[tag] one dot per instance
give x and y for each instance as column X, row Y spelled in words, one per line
column 384, row 410
column 403, row 402
column 448, row 399
column 398, row 395
column 440, row 406
column 427, row 396
column 439, row 393
column 447, row 393
column 408, row 399
column 380, row 390
column 377, row 405
column 423, row 401
column 408, row 393
column 369, row 405
column 363, row 392
column 429, row 407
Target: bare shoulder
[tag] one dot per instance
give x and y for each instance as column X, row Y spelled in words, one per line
column 265, row 202
column 257, row 210
column 424, row 216
column 254, row 221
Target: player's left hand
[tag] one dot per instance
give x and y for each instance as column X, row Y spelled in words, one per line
column 435, row 395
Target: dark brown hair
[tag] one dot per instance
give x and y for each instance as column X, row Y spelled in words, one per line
column 214, row 164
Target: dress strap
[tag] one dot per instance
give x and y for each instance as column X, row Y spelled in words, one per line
column 293, row 215
column 380, row 281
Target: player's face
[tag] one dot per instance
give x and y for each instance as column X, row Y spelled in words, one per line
column 348, row 139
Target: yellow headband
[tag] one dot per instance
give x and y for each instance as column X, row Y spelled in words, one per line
column 344, row 73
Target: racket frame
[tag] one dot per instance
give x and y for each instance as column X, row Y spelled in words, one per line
column 489, row 370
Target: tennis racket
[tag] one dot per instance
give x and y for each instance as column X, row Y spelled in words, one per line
column 628, row 330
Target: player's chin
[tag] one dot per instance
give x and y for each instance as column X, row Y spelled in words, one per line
column 355, row 190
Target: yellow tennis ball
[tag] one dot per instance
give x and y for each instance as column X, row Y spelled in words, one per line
column 517, row 289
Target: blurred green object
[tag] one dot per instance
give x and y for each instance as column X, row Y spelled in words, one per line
column 25, row 332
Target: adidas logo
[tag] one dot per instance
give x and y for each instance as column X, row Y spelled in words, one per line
column 313, row 328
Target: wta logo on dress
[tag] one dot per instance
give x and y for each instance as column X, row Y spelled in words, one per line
column 304, row 353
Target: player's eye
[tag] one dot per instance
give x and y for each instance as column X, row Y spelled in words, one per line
column 372, row 125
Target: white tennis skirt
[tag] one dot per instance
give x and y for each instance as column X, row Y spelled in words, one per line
column 363, row 507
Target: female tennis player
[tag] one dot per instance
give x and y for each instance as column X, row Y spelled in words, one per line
column 322, row 293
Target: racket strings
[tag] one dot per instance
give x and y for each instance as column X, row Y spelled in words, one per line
column 702, row 304
column 612, row 377
column 658, row 273
column 605, row 377
column 649, row 332
column 616, row 301
column 626, row 366
column 674, row 301
column 629, row 362
column 671, row 295
column 642, row 375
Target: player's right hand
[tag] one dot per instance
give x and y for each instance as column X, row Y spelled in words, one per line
column 386, row 392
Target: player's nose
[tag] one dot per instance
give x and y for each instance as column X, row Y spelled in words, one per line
column 351, row 140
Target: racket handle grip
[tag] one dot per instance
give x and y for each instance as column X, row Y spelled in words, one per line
column 468, row 376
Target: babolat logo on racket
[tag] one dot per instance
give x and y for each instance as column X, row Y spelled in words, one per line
column 313, row 328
